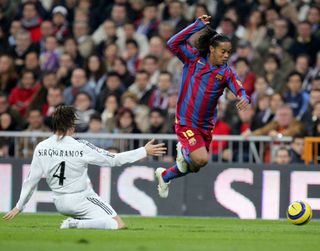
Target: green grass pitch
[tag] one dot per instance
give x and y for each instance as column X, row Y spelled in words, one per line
column 41, row 232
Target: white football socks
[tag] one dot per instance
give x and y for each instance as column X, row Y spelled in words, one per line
column 106, row 223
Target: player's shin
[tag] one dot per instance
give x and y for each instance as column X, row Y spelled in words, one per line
column 172, row 173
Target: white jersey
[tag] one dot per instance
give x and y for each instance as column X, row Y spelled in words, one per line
column 63, row 162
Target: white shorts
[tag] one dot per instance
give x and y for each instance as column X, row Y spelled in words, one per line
column 83, row 205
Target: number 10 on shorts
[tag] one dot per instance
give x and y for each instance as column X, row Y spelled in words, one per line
column 188, row 134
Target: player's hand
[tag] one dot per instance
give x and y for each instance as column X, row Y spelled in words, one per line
column 10, row 215
column 155, row 149
column 242, row 103
column 205, row 19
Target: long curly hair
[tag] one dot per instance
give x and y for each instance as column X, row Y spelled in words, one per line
column 208, row 38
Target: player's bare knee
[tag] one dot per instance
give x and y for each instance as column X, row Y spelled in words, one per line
column 200, row 162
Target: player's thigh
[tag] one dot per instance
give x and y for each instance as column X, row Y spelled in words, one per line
column 199, row 157
column 84, row 205
column 190, row 138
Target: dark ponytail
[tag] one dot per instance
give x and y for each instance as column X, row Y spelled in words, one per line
column 209, row 37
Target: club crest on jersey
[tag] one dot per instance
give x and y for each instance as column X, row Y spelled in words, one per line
column 219, row 77
column 192, row 141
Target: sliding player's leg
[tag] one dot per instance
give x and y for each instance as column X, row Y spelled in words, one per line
column 88, row 210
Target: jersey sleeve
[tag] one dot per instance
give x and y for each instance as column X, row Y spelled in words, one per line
column 30, row 183
column 98, row 156
column 235, row 85
column 178, row 43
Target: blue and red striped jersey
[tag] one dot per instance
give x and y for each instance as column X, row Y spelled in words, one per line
column 202, row 83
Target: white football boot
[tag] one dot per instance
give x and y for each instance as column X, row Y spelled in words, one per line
column 181, row 163
column 69, row 223
column 163, row 187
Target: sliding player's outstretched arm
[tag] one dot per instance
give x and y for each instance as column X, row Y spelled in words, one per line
column 178, row 43
column 28, row 187
column 98, row 156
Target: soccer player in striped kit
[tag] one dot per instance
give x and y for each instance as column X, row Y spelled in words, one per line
column 205, row 75
column 63, row 161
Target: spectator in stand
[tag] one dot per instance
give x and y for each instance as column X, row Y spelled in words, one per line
column 273, row 74
column 49, row 59
column 108, row 115
column 110, row 55
column 280, row 36
column 84, row 41
column 79, row 83
column 313, row 99
column 255, row 31
column 7, row 123
column 166, row 30
column 246, row 76
column 21, row 96
column 49, row 79
column 228, row 27
column 313, row 17
column 262, row 114
column 313, row 125
column 119, row 14
column 32, row 63
column 71, row 47
column 150, row 64
column 142, row 87
column 61, row 27
column 305, row 42
column 26, row 145
column 129, row 33
column 110, row 36
column 22, row 47
column 82, row 103
column 160, row 96
column 141, row 112
column 285, row 59
column 66, row 67
column 148, row 24
column 8, row 75
column 312, row 74
column 53, row 100
column 6, row 108
column 96, row 72
column 297, row 146
column 302, row 65
column 261, row 88
column 120, row 67
column 295, row 96
column 157, row 121
column 14, row 28
column 112, row 85
column 176, row 17
column 31, row 21
column 125, row 123
column 284, row 124
column 46, row 31
column 282, row 156
column 131, row 55
column 95, row 127
column 245, row 50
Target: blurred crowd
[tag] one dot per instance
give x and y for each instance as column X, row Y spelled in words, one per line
column 109, row 60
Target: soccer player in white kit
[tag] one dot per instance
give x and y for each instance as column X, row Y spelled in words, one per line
column 63, row 161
